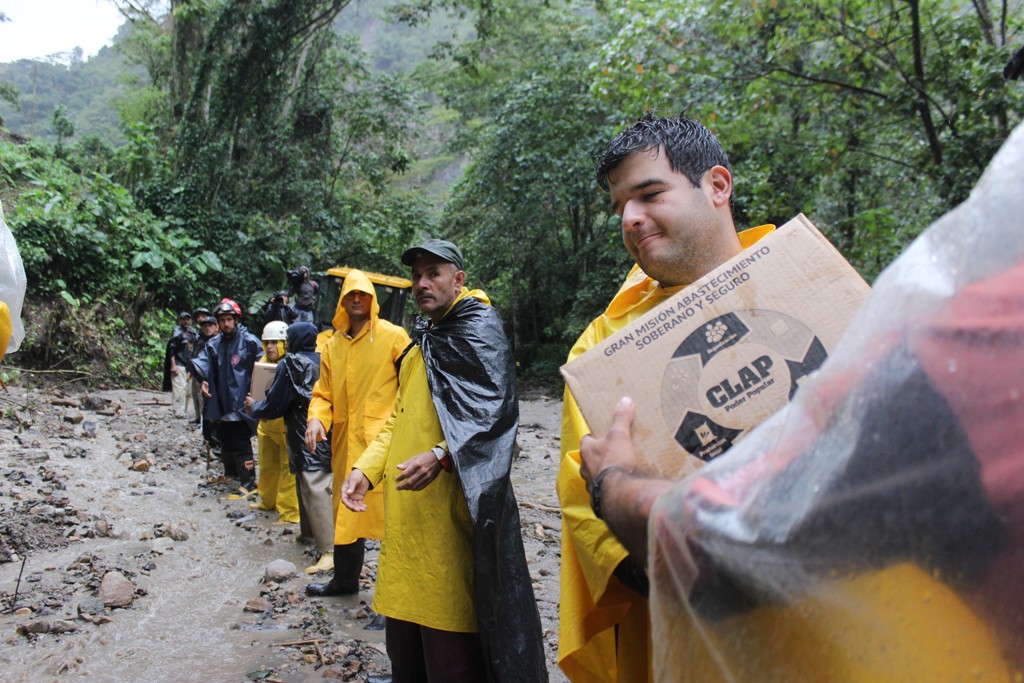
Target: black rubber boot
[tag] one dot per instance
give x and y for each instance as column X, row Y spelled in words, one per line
column 245, row 463
column 348, row 565
column 227, row 459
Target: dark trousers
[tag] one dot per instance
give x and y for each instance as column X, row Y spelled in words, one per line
column 209, row 428
column 236, row 450
column 426, row 655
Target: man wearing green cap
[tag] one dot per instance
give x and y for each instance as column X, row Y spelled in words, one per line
column 452, row 578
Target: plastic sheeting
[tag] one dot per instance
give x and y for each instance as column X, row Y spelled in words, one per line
column 472, row 384
column 12, row 283
column 288, row 397
column 873, row 530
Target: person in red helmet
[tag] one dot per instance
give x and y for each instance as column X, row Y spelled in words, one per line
column 226, row 366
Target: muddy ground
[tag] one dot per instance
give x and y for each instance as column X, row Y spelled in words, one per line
column 120, row 559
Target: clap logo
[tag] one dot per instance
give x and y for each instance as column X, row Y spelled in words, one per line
column 733, row 372
column 750, row 376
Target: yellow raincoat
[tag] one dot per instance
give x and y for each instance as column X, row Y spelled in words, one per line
column 425, row 574
column 322, row 338
column 593, row 600
column 276, row 483
column 895, row 625
column 354, row 396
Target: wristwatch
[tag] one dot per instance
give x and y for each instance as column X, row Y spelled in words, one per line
column 595, row 487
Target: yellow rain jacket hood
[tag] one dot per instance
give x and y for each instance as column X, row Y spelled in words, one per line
column 353, row 398
column 355, row 281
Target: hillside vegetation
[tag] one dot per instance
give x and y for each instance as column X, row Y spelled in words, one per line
column 214, row 148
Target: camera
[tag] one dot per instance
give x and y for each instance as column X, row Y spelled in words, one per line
column 295, row 275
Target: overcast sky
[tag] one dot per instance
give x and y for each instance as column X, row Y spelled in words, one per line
column 38, row 28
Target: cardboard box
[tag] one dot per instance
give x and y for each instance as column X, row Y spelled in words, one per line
column 262, row 376
column 720, row 356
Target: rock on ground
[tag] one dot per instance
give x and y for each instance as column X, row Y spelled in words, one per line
column 116, row 590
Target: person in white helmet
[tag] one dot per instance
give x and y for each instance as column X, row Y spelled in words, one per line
column 288, row 396
column 276, row 483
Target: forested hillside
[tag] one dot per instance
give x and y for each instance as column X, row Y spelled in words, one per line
column 91, row 92
column 257, row 135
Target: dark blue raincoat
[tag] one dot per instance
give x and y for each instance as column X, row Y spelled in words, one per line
column 226, row 364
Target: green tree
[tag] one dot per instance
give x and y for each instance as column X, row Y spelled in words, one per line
column 7, row 91
column 62, row 125
column 873, row 118
column 535, row 226
column 275, row 137
column 9, row 94
column 83, row 238
column 92, row 91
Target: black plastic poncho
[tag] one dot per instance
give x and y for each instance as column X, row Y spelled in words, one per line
column 471, row 375
column 288, row 397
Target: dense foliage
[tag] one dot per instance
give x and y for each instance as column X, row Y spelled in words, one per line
column 871, row 117
column 257, row 135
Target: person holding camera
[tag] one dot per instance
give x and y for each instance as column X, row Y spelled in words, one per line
column 278, row 309
column 304, row 291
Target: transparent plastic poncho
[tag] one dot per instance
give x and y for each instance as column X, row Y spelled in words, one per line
column 12, row 283
column 873, row 530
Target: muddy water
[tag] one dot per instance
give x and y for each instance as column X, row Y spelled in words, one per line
column 189, row 624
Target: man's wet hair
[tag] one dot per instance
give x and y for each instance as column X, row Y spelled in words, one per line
column 690, row 147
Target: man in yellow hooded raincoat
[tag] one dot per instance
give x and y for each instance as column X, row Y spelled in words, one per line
column 452, row 580
column 353, row 398
column 671, row 183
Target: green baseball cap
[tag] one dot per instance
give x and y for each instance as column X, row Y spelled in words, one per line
column 442, row 249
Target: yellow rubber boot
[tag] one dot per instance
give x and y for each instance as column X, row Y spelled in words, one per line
column 242, row 494
column 324, row 564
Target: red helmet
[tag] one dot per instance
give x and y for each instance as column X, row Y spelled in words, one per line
column 228, row 306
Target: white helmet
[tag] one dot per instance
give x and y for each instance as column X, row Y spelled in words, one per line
column 275, row 330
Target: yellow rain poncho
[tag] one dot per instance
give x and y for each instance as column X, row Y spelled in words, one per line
column 593, row 600
column 354, row 396
column 426, row 529
column 276, row 483
column 452, row 557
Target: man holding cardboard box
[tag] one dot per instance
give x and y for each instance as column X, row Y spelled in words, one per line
column 872, row 529
column 671, row 183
